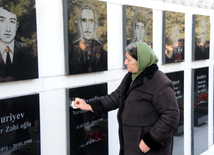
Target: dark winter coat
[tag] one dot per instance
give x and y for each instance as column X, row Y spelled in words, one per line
column 147, row 110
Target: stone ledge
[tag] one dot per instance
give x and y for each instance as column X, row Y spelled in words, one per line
column 210, row 151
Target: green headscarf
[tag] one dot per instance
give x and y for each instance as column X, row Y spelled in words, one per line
column 145, row 58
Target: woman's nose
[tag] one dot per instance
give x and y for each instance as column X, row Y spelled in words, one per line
column 125, row 62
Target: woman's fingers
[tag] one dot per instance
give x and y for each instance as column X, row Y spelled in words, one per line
column 77, row 102
column 81, row 104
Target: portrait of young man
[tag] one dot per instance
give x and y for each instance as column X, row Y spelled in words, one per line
column 87, row 53
column 16, row 57
column 141, row 20
column 140, row 27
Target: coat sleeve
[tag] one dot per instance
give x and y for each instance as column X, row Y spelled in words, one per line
column 165, row 103
column 106, row 103
column 111, row 102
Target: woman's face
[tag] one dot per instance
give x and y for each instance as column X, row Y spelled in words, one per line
column 131, row 63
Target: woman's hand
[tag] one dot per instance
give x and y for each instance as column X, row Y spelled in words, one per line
column 81, row 104
column 143, row 147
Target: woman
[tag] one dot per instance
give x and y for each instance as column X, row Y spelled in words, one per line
column 148, row 111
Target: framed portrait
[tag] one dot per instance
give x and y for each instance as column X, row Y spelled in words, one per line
column 177, row 79
column 87, row 36
column 20, row 125
column 200, row 95
column 137, row 26
column 200, row 37
column 18, row 45
column 88, row 135
column 173, row 37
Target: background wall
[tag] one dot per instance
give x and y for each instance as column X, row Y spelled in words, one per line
column 53, row 82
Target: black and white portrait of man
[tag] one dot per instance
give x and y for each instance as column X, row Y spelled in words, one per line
column 88, row 22
column 138, row 27
column 174, row 33
column 87, row 54
column 203, row 30
column 202, row 37
column 139, row 23
column 17, row 61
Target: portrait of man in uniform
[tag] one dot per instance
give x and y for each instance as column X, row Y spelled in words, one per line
column 16, row 59
column 87, row 53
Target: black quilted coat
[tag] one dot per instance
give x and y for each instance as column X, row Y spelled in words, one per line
column 147, row 110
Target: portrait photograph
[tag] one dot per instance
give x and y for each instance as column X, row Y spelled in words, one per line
column 138, row 26
column 87, row 36
column 173, row 37
column 18, row 40
column 201, row 37
column 88, row 134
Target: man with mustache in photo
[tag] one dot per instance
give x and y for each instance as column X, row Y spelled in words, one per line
column 86, row 57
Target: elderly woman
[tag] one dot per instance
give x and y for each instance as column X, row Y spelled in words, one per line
column 148, row 111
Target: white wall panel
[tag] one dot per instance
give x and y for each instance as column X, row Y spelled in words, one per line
column 53, row 122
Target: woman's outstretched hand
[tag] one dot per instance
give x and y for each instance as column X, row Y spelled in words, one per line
column 81, row 104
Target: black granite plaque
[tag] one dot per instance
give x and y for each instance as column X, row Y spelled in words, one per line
column 200, row 37
column 87, row 36
column 137, row 26
column 18, row 40
column 88, row 135
column 178, row 81
column 19, row 126
column 200, row 98
column 173, row 37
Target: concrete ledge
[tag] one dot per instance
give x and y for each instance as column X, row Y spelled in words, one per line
column 210, row 151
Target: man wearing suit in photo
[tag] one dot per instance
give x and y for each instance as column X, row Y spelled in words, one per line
column 87, row 54
column 15, row 57
column 179, row 51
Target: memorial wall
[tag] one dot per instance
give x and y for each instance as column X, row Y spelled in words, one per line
column 52, row 53
column 88, row 134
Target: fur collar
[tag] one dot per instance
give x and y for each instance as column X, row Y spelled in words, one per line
column 149, row 72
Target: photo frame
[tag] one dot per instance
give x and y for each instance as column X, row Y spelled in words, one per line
column 20, row 125
column 86, row 27
column 200, row 37
column 137, row 26
column 88, row 135
column 18, row 45
column 173, row 37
